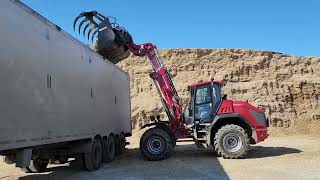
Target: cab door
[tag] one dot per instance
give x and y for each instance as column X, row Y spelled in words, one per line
column 207, row 100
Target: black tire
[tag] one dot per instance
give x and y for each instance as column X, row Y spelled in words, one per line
column 92, row 160
column 37, row 166
column 109, row 150
column 174, row 142
column 117, row 144
column 155, row 144
column 122, row 143
column 173, row 138
column 231, row 142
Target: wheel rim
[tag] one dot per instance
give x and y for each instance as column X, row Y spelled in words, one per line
column 232, row 142
column 155, row 145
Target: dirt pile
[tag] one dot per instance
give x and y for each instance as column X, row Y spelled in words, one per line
column 286, row 87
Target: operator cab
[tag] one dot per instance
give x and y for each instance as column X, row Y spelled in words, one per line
column 204, row 102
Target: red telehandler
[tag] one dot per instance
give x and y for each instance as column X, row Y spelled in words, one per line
column 210, row 118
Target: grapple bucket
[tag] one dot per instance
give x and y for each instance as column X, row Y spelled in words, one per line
column 107, row 37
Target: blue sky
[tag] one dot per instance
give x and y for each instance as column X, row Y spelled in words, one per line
column 287, row 26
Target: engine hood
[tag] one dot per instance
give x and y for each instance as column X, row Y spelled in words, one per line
column 246, row 105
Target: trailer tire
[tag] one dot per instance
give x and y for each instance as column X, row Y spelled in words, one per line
column 155, row 144
column 117, row 144
column 231, row 142
column 36, row 166
column 109, row 149
column 93, row 159
column 122, row 143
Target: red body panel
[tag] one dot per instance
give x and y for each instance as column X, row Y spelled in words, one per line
column 226, row 107
column 247, row 105
column 243, row 108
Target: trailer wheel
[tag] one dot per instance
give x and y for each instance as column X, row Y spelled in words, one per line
column 109, row 149
column 92, row 160
column 117, row 143
column 122, row 143
column 155, row 144
column 36, row 166
column 231, row 142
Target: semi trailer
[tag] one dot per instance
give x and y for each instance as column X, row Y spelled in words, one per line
column 58, row 98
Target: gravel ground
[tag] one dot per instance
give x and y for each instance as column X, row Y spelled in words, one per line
column 287, row 157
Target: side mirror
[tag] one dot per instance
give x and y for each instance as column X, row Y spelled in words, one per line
column 224, row 97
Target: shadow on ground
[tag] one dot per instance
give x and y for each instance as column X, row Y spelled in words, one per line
column 187, row 162
column 263, row 152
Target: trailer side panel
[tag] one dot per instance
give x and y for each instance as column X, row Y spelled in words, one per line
column 54, row 88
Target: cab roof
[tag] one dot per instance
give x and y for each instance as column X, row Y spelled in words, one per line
column 207, row 82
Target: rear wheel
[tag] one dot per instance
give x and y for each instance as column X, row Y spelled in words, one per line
column 231, row 142
column 155, row 144
column 37, row 165
column 92, row 160
column 109, row 149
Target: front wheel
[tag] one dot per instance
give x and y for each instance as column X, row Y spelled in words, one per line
column 231, row 142
column 155, row 144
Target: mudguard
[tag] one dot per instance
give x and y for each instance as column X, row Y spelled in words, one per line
column 220, row 117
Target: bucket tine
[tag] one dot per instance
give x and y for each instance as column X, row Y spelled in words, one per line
column 86, row 27
column 75, row 21
column 81, row 23
column 89, row 32
column 94, row 34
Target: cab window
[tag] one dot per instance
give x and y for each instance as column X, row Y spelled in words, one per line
column 203, row 95
column 203, row 102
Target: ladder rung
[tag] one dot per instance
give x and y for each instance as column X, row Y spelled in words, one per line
column 202, row 131
column 204, row 124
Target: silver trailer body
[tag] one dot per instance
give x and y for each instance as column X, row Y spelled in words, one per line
column 54, row 88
